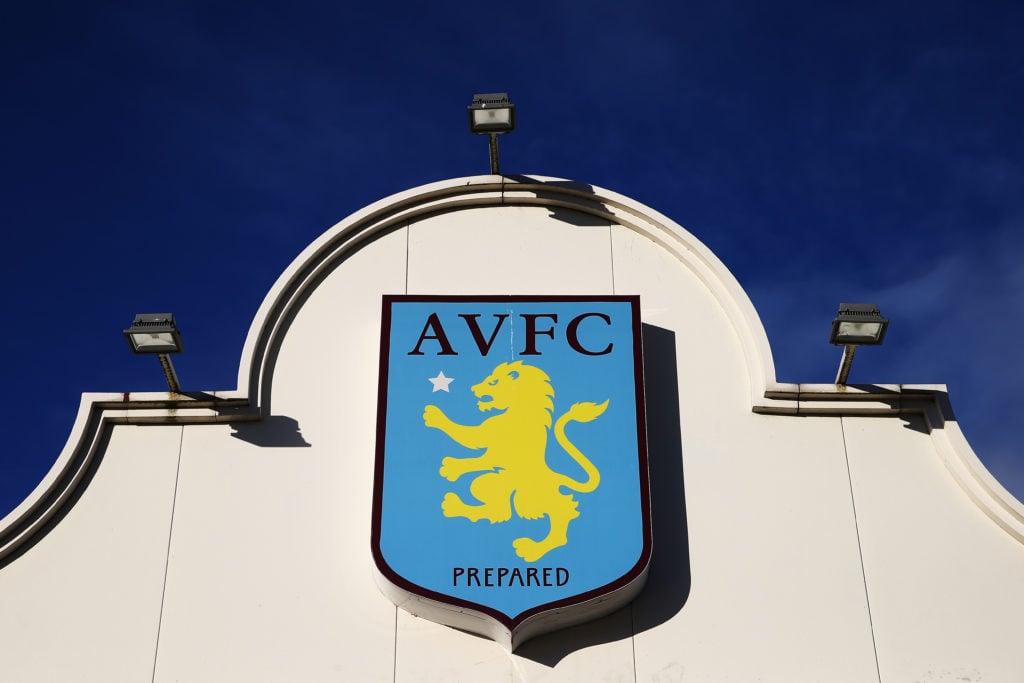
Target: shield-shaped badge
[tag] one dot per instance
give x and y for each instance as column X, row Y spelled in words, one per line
column 511, row 493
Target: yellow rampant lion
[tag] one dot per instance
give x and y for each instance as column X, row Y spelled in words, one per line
column 514, row 465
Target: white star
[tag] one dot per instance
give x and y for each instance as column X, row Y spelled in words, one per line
column 440, row 382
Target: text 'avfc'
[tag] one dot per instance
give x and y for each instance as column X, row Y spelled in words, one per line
column 585, row 333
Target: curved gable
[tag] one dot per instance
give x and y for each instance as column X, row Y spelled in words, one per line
column 237, row 522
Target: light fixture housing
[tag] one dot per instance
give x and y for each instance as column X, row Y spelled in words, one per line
column 154, row 333
column 492, row 113
column 858, row 324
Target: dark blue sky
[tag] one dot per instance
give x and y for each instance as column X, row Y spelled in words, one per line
column 177, row 156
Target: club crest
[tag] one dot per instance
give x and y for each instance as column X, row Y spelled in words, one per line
column 511, row 492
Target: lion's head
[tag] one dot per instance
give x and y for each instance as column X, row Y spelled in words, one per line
column 515, row 385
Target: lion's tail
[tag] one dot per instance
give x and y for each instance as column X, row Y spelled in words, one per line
column 579, row 412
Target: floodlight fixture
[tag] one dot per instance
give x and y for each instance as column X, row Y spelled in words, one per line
column 157, row 333
column 492, row 114
column 856, row 325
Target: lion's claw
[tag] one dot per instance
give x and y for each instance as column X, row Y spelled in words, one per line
column 528, row 549
column 433, row 416
column 449, row 503
column 448, row 469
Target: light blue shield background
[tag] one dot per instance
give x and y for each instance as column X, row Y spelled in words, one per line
column 422, row 545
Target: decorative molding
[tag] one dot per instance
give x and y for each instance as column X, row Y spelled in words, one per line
column 251, row 402
column 930, row 401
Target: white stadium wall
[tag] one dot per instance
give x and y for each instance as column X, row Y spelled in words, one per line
column 800, row 532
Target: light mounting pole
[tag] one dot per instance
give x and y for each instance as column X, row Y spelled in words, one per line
column 157, row 333
column 856, row 325
column 492, row 114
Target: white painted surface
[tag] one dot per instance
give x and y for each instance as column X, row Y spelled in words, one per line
column 83, row 604
column 598, row 651
column 758, row 533
column 509, row 250
column 425, row 651
column 945, row 581
column 270, row 573
column 770, row 526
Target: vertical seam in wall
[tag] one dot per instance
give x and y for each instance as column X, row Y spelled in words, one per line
column 632, row 638
column 611, row 255
column 167, row 558
column 394, row 651
column 860, row 551
column 408, row 229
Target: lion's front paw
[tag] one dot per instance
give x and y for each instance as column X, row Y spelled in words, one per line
column 433, row 416
column 450, row 469
column 452, row 505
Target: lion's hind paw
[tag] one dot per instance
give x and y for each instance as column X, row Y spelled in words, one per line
column 529, row 549
column 452, row 505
